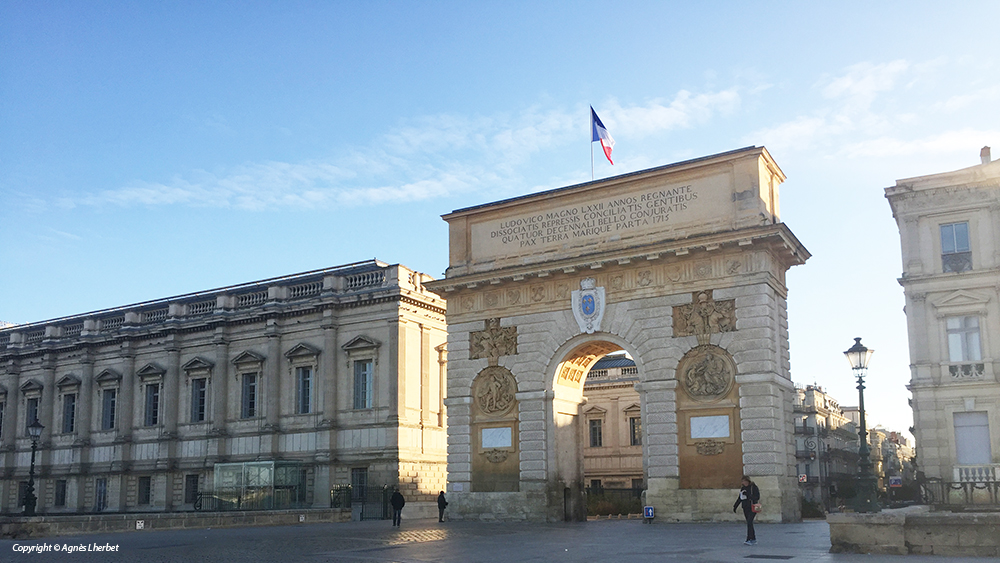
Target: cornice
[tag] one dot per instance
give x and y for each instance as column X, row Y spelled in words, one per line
column 777, row 236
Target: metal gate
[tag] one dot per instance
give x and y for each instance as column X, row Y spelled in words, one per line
column 367, row 502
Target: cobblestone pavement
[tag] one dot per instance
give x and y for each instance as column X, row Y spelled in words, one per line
column 461, row 542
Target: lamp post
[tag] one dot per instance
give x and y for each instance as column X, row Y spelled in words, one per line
column 35, row 431
column 866, row 499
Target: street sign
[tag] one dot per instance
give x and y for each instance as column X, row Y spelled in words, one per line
column 803, row 478
column 647, row 512
column 895, row 481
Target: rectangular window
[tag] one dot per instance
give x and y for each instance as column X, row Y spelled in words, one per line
column 363, row 384
column 145, row 490
column 190, row 489
column 972, row 438
column 638, row 484
column 199, row 394
column 69, row 413
column 359, row 482
column 249, row 406
column 22, row 492
column 956, row 255
column 108, row 398
column 31, row 415
column 100, row 494
column 963, row 339
column 635, row 430
column 596, row 439
column 152, row 404
column 595, row 485
column 1, row 418
column 303, row 377
column 60, row 499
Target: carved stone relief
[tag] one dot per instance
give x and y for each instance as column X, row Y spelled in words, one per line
column 494, row 389
column 709, row 447
column 706, row 373
column 493, row 342
column 704, row 317
column 495, row 455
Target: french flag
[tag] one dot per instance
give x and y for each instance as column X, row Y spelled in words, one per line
column 600, row 133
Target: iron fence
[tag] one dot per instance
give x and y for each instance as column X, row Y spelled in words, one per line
column 603, row 500
column 961, row 495
column 367, row 502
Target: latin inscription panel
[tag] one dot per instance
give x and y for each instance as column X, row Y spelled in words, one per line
column 646, row 210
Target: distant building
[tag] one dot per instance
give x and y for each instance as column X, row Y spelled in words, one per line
column 826, row 447
column 949, row 228
column 612, row 453
column 260, row 395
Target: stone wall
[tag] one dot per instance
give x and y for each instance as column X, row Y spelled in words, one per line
column 916, row 531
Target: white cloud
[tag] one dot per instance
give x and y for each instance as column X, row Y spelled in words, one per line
column 963, row 140
column 426, row 157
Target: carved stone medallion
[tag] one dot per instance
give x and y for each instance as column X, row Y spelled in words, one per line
column 706, row 373
column 588, row 306
column 494, row 389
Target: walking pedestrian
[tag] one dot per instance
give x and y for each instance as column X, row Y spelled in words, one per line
column 397, row 501
column 442, row 504
column 750, row 500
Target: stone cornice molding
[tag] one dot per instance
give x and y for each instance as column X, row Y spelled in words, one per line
column 776, row 237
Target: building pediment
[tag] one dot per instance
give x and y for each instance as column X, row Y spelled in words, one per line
column 150, row 371
column 68, row 380
column 961, row 298
column 108, row 375
column 248, row 357
column 594, row 410
column 634, row 407
column 30, row 386
column 302, row 350
column 360, row 343
column 198, row 363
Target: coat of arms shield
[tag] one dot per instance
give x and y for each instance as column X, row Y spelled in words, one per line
column 588, row 306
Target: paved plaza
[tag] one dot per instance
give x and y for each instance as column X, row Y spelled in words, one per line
column 462, row 542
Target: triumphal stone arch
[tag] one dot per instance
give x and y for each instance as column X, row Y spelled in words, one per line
column 681, row 266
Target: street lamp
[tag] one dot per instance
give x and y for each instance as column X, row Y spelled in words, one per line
column 866, row 500
column 35, row 431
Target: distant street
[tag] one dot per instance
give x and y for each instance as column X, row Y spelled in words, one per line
column 462, row 542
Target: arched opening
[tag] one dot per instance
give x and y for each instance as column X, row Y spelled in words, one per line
column 597, row 416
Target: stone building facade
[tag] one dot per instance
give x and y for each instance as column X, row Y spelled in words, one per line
column 612, row 446
column 681, row 266
column 826, row 447
column 949, row 228
column 335, row 373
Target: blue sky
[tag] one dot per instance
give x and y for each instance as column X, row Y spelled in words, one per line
column 149, row 149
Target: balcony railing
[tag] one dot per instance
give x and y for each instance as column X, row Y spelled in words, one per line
column 807, row 430
column 977, row 473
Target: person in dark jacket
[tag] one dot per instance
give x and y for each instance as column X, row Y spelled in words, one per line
column 397, row 501
column 442, row 504
column 749, row 496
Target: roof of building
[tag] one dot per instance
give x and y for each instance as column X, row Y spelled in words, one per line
column 613, row 361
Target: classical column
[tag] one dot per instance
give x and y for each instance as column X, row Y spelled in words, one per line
column 396, row 381
column 171, row 389
column 84, row 403
column 218, row 387
column 442, row 351
column 326, row 439
column 84, row 406
column 126, row 399
column 425, row 375
column 272, row 377
column 46, row 414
